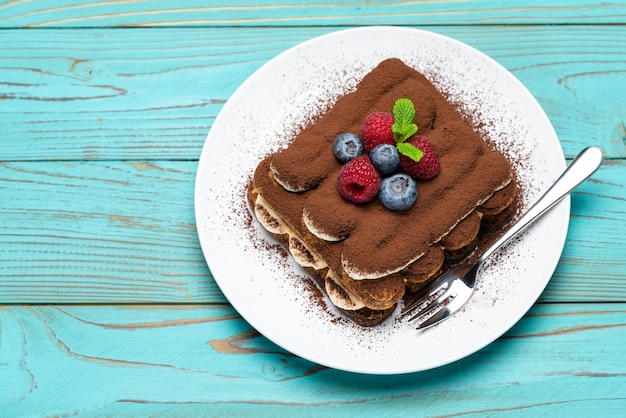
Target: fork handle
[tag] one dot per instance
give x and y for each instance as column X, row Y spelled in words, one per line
column 583, row 166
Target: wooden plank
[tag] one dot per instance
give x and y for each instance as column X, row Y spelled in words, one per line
column 102, row 231
column 199, row 360
column 596, row 207
column 93, row 13
column 153, row 94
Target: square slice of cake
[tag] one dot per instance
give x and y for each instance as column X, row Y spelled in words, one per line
column 364, row 255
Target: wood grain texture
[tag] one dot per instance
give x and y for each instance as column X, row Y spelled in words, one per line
column 95, row 13
column 593, row 265
column 111, row 94
column 101, row 231
column 68, row 360
column 125, row 232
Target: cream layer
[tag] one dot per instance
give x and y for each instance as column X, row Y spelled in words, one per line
column 305, row 256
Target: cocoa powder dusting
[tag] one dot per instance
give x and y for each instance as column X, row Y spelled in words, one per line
column 377, row 240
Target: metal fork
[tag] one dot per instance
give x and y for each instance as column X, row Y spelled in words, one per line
column 449, row 292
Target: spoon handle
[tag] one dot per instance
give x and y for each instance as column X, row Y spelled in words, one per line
column 583, row 166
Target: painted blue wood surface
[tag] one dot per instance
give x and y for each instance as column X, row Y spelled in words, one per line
column 563, row 359
column 94, row 13
column 102, row 127
column 154, row 93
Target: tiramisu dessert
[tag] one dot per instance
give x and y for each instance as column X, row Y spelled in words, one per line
column 383, row 192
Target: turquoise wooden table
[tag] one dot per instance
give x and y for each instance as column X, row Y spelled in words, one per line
column 107, row 305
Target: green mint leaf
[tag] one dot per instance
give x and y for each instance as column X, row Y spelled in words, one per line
column 410, row 151
column 403, row 116
column 408, row 132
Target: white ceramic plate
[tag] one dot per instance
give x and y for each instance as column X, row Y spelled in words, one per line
column 270, row 291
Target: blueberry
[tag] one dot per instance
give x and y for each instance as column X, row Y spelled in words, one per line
column 385, row 158
column 347, row 146
column 398, row 192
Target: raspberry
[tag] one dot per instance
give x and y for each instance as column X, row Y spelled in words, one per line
column 358, row 180
column 427, row 167
column 376, row 130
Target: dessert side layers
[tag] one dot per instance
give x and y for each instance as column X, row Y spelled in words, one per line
column 367, row 256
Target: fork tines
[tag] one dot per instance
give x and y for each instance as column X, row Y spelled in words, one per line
column 424, row 299
column 428, row 307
